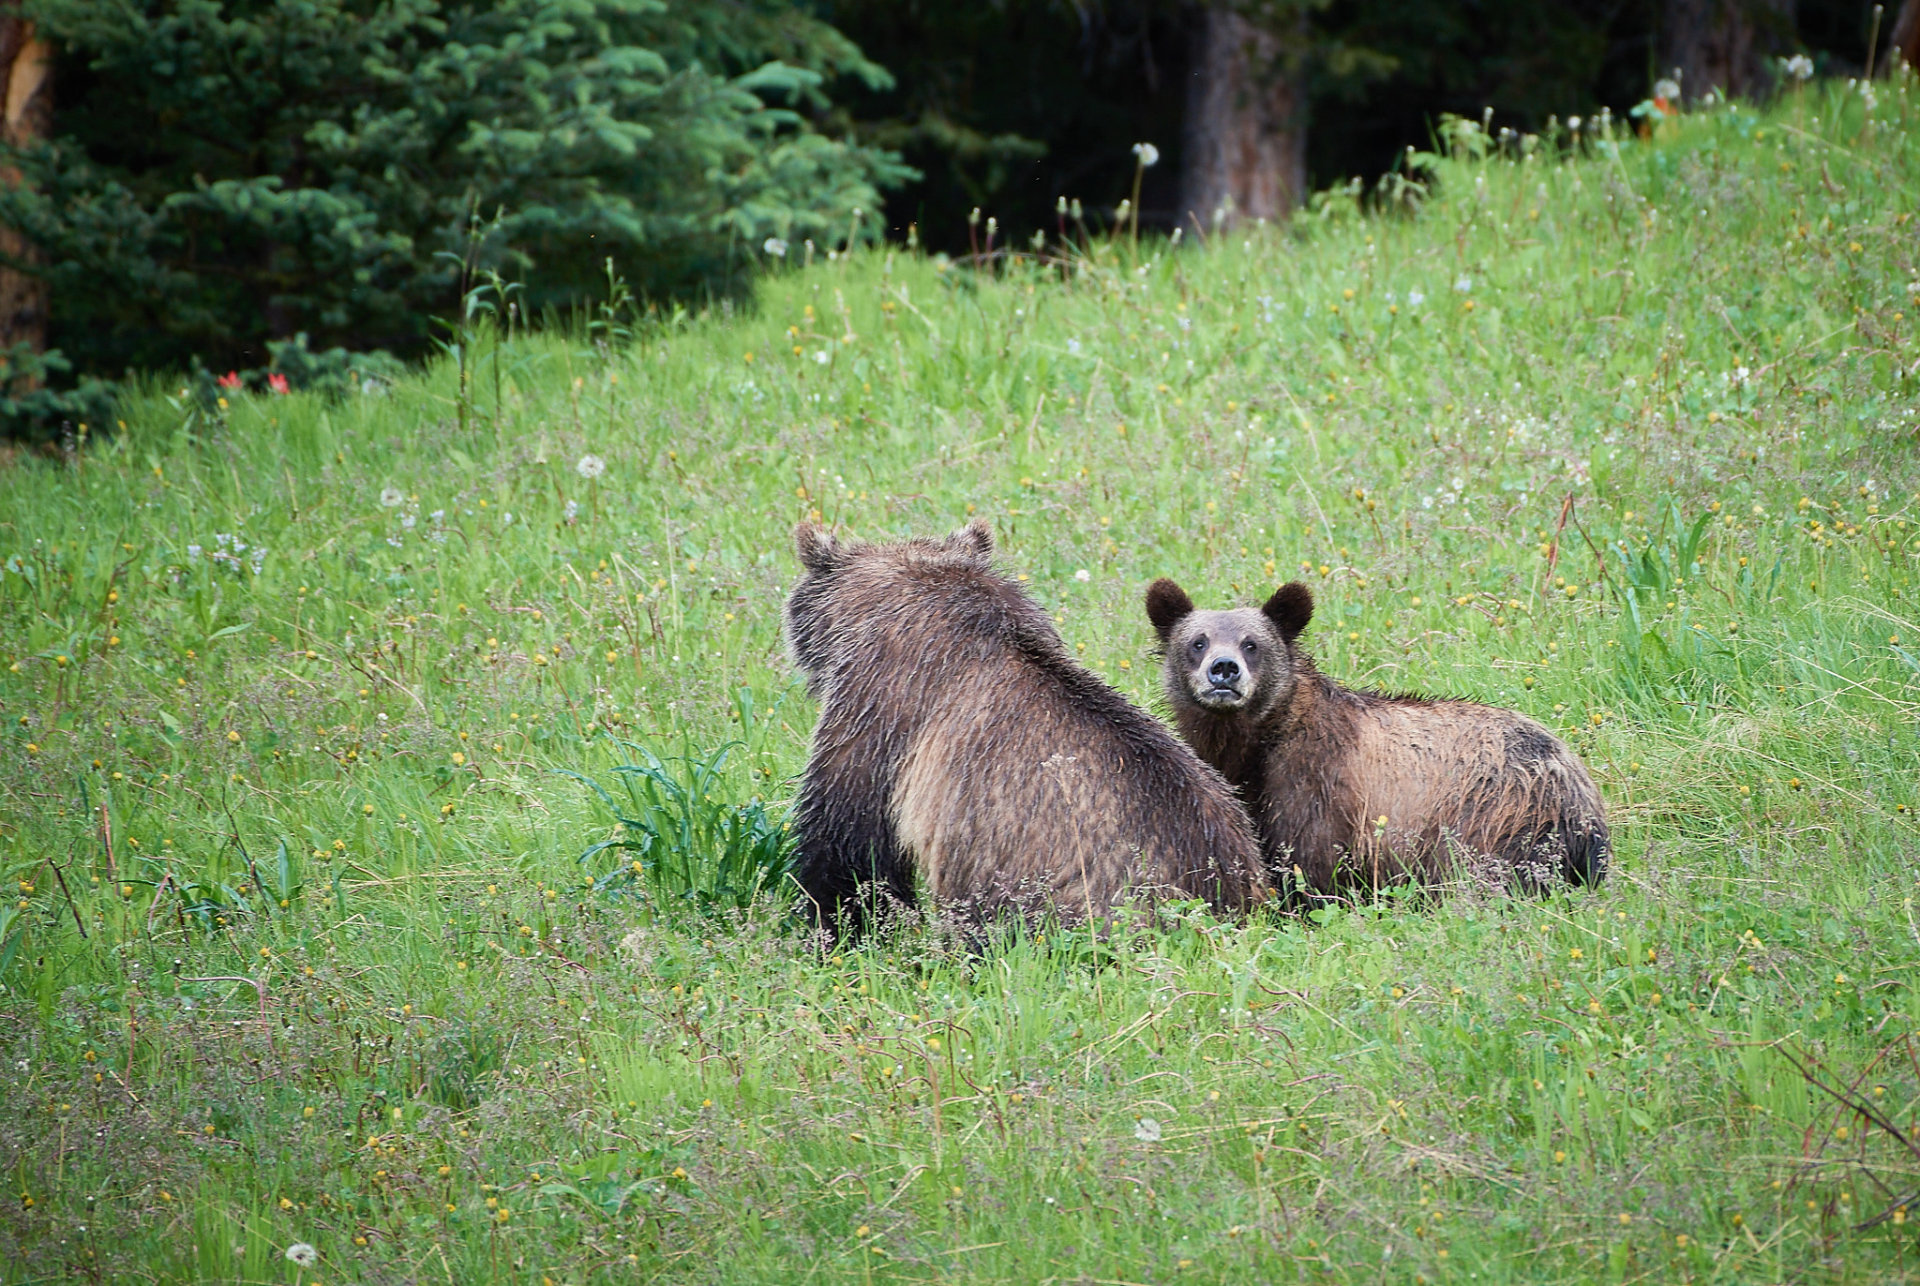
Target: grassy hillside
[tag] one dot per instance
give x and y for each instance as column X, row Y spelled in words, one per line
column 299, row 944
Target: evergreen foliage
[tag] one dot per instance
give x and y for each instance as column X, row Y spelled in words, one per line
column 230, row 174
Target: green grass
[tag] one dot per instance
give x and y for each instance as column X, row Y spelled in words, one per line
column 342, row 976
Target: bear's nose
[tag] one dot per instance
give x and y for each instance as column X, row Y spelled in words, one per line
column 1223, row 672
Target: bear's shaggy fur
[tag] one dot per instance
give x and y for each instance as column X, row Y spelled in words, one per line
column 1359, row 789
column 960, row 744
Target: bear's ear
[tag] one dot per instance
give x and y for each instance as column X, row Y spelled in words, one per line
column 815, row 545
column 1167, row 606
column 974, row 539
column 1290, row 608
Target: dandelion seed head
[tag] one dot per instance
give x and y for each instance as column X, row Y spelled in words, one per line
column 1147, row 1130
column 590, row 466
column 391, row 497
column 1149, row 155
column 301, row 1255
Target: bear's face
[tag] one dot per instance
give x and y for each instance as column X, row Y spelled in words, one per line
column 852, row 590
column 1235, row 661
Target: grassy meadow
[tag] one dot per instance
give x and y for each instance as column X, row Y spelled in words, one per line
column 317, row 718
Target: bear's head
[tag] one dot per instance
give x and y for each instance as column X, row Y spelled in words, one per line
column 1239, row 661
column 852, row 592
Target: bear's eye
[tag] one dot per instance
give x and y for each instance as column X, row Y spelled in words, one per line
column 1199, row 645
column 1250, row 647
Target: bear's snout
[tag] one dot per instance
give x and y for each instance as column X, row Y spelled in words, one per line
column 1219, row 682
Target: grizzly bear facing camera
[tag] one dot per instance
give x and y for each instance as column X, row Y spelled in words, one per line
column 1359, row 789
column 961, row 748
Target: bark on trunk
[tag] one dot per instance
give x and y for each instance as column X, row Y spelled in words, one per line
column 1727, row 45
column 1244, row 141
column 1903, row 42
column 26, row 99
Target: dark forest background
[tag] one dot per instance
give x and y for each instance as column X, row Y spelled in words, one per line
column 302, row 192
column 1009, row 106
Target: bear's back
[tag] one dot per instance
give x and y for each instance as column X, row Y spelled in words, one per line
column 1017, row 776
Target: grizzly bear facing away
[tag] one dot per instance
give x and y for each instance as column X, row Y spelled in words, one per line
column 959, row 744
column 1358, row 789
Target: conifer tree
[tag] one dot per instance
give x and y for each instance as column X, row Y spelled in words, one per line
column 228, row 174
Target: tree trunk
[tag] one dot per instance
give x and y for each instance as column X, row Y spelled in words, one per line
column 1727, row 45
column 1244, row 141
column 1903, row 42
column 26, row 97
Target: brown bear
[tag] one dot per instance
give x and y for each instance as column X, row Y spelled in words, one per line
column 960, row 746
column 1361, row 789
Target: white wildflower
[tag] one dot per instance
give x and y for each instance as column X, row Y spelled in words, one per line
column 1083, row 575
column 1800, row 67
column 390, row 497
column 1463, row 283
column 775, row 247
column 301, row 1255
column 1147, row 1130
column 1667, row 89
column 1573, row 124
column 1415, row 298
column 821, row 357
column 193, row 551
column 1073, row 346
column 572, row 511
column 1149, row 155
column 590, row 467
